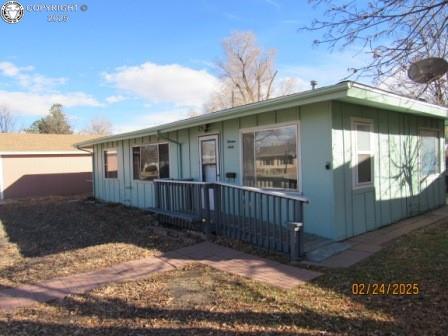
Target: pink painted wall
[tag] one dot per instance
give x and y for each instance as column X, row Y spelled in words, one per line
column 45, row 175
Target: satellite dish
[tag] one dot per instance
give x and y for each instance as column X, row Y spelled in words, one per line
column 427, row 69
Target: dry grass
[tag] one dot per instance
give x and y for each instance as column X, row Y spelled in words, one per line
column 199, row 300
column 44, row 238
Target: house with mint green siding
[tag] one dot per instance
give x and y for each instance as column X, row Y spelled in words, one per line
column 334, row 162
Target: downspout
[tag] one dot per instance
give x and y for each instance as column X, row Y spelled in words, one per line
column 93, row 167
column 179, row 150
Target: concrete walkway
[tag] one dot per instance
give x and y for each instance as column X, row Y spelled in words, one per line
column 219, row 257
column 364, row 245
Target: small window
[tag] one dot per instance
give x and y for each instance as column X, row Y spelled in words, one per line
column 363, row 153
column 150, row 162
column 429, row 148
column 110, row 163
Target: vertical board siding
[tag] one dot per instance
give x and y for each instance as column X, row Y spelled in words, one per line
column 399, row 190
column 183, row 137
column 325, row 137
column 184, row 161
column 383, row 172
column 342, row 223
column 231, row 150
column 317, row 180
column 108, row 190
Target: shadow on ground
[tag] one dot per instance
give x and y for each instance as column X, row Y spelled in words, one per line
column 41, row 228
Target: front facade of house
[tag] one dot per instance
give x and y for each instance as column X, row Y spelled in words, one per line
column 363, row 157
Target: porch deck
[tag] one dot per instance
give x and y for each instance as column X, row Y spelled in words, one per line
column 269, row 220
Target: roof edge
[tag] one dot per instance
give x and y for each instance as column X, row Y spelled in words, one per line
column 344, row 91
column 301, row 98
column 371, row 96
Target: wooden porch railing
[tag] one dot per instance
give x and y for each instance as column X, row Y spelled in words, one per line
column 267, row 219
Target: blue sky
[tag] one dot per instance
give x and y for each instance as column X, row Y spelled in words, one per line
column 139, row 63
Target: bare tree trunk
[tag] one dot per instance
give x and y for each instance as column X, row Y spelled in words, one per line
column 7, row 120
column 268, row 93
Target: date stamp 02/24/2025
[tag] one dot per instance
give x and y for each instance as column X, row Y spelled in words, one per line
column 385, row 289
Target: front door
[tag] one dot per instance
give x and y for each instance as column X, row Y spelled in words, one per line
column 209, row 163
column 209, row 158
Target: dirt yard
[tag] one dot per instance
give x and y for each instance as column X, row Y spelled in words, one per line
column 198, row 300
column 44, row 238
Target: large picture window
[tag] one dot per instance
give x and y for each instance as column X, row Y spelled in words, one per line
column 429, row 148
column 270, row 158
column 151, row 162
column 110, row 163
column 363, row 153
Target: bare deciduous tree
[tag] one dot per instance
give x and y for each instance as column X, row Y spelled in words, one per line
column 394, row 32
column 248, row 73
column 99, row 126
column 435, row 91
column 7, row 120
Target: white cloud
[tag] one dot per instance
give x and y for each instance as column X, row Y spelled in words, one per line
column 28, row 79
column 39, row 83
column 115, row 99
column 39, row 92
column 328, row 68
column 29, row 103
column 9, row 69
column 172, row 83
column 152, row 119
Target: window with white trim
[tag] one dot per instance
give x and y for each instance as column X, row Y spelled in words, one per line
column 110, row 163
column 363, row 153
column 269, row 157
column 151, row 162
column 429, row 152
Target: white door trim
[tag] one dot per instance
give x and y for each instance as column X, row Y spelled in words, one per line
column 205, row 138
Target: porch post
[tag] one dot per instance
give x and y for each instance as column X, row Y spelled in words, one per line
column 295, row 242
